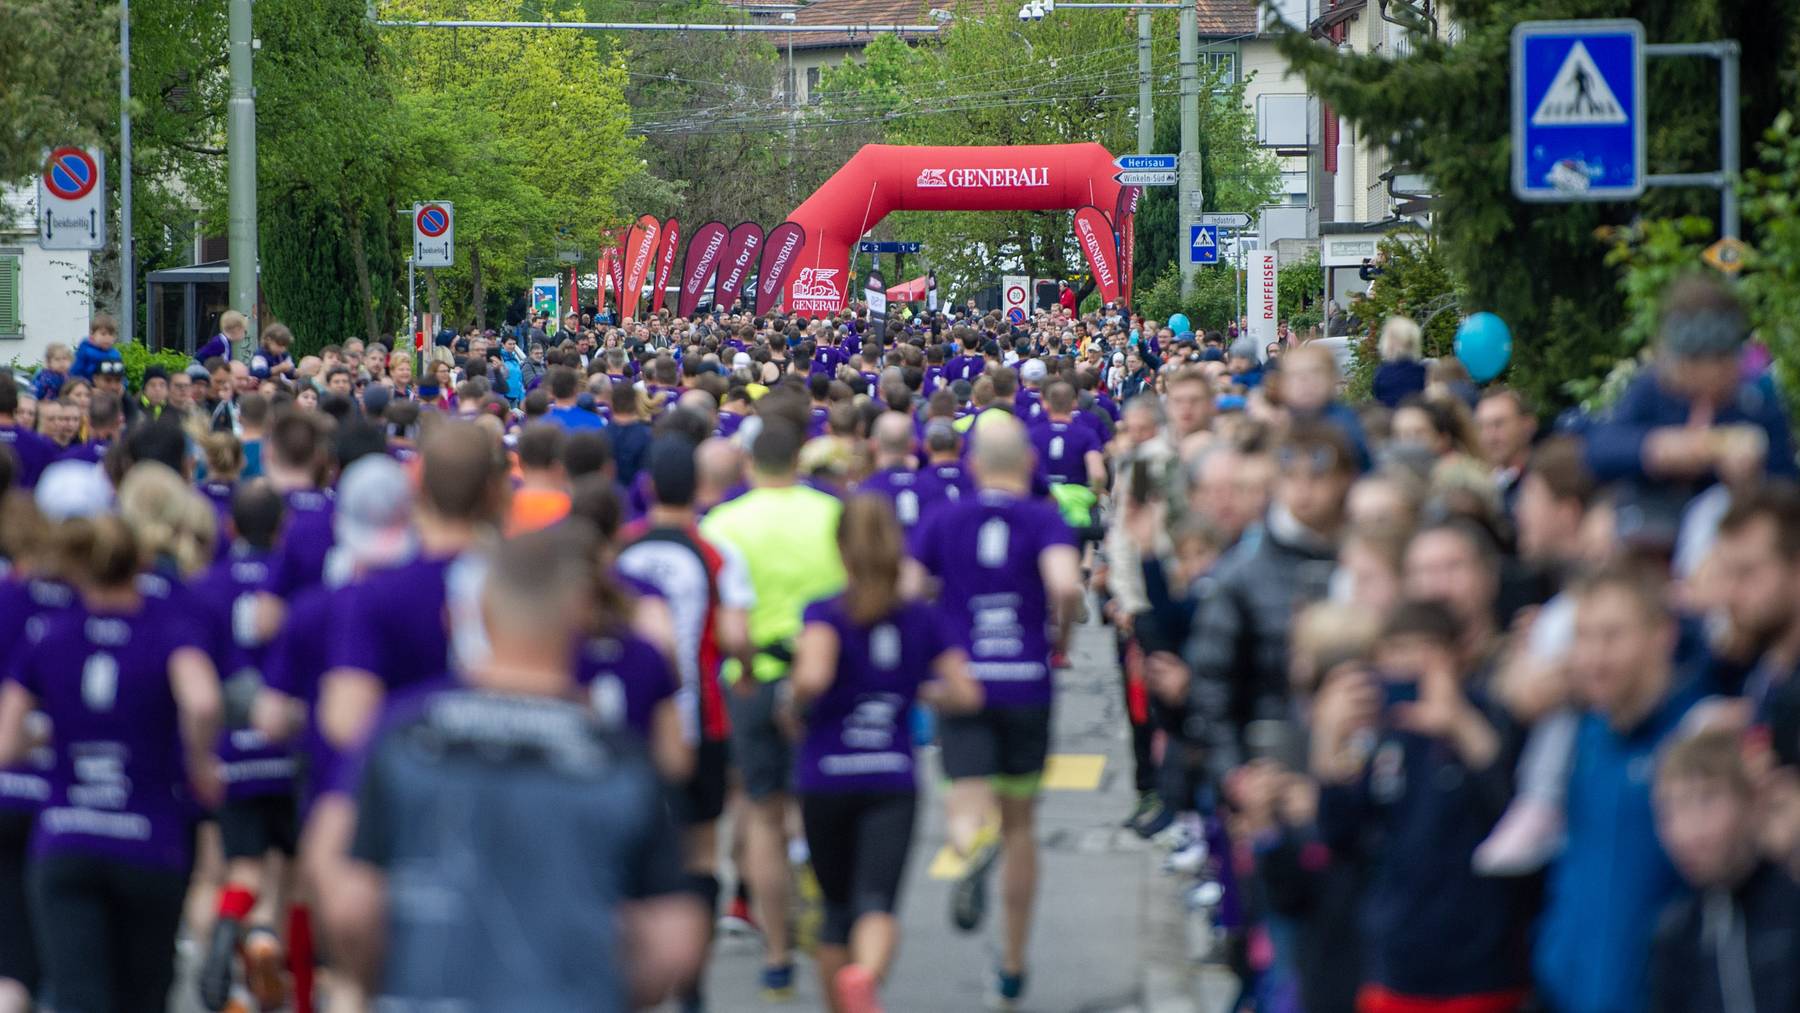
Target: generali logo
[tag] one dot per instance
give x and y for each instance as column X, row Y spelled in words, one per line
column 818, row 283
column 1097, row 253
column 641, row 262
column 704, row 265
column 1038, row 175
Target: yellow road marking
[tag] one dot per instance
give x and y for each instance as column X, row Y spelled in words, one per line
column 1073, row 771
column 1063, row 772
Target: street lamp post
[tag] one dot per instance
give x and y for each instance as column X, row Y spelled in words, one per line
column 1187, row 194
column 240, row 145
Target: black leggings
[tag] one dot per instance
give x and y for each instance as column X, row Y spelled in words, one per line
column 859, row 843
column 106, row 932
column 18, row 951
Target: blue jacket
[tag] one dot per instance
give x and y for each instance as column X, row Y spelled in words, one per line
column 89, row 356
column 1395, row 380
column 1430, row 926
column 1615, row 441
column 1612, row 878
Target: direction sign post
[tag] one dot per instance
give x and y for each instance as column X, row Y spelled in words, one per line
column 71, row 211
column 1233, row 220
column 434, row 234
column 1203, row 244
column 1147, row 177
column 875, row 246
column 1158, row 163
column 1578, row 110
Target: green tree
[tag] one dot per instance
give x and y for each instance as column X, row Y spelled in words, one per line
column 59, row 63
column 1416, row 282
column 1235, row 173
column 1443, row 108
column 529, row 128
column 327, row 176
column 992, row 80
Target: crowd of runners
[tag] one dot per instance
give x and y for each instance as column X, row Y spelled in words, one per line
column 496, row 675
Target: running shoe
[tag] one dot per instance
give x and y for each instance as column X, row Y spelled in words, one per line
column 215, row 975
column 857, row 990
column 1154, row 819
column 778, row 983
column 737, row 920
column 1146, row 801
column 1005, row 990
column 265, row 968
column 968, row 898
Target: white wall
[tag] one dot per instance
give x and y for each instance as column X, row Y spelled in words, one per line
column 54, row 292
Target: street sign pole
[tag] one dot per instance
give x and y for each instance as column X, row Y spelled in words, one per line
column 127, row 272
column 1727, row 52
column 1189, row 195
column 240, row 145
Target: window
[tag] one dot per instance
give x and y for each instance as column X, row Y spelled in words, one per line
column 812, row 85
column 1293, row 186
column 10, row 324
column 1222, row 64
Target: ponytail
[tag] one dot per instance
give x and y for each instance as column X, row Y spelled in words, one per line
column 98, row 551
column 870, row 541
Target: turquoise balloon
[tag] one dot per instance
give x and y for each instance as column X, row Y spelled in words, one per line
column 1178, row 322
column 1484, row 344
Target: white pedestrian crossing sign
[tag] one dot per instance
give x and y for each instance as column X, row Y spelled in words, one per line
column 1578, row 110
column 1203, row 244
column 1579, row 95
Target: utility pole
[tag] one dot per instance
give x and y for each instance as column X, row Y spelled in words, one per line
column 240, row 142
column 1146, row 114
column 1188, row 185
column 127, row 270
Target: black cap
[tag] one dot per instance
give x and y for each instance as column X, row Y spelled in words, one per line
column 155, row 372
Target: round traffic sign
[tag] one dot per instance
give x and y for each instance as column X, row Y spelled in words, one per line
column 433, row 220
column 1015, row 315
column 70, row 173
column 1015, row 294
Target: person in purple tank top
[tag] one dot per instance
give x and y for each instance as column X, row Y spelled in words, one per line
column 258, row 821
column 1009, row 581
column 135, row 703
column 895, row 478
column 374, row 652
column 862, row 660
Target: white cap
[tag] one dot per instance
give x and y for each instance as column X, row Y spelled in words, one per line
column 373, row 519
column 1033, row 371
column 740, row 361
column 70, row 489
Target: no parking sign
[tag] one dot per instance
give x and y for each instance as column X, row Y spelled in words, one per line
column 434, row 234
column 1015, row 299
column 71, row 212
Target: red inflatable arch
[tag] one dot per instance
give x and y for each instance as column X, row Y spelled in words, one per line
column 882, row 178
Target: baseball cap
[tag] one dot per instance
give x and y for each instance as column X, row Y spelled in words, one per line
column 70, row 489
column 1033, row 371
column 741, row 360
column 1244, row 348
column 375, row 399
column 373, row 519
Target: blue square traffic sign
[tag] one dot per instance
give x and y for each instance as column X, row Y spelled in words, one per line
column 1203, row 244
column 1578, row 110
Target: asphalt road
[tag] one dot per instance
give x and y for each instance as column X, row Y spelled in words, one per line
column 1112, row 933
column 1111, row 928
